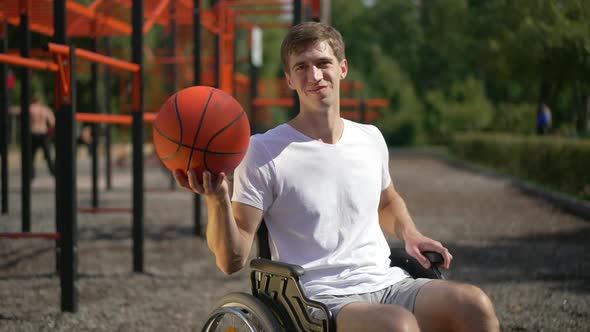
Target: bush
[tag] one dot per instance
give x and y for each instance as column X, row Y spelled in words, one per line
column 558, row 163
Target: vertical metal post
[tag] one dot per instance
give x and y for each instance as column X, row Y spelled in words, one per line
column 197, row 229
column 94, row 127
column 297, row 11
column 137, row 139
column 66, row 198
column 253, row 80
column 107, row 128
column 216, row 42
column 25, row 123
column 59, row 37
column 4, row 118
column 65, row 177
column 253, row 96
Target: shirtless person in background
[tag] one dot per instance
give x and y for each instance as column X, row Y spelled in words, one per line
column 42, row 119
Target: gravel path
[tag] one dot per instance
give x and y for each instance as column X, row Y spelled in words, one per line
column 532, row 259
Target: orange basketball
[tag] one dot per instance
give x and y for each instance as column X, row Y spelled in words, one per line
column 203, row 128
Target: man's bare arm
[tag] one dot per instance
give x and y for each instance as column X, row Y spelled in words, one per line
column 395, row 219
column 231, row 227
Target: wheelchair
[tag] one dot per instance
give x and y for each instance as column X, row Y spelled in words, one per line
column 277, row 301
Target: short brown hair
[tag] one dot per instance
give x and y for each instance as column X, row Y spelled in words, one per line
column 305, row 34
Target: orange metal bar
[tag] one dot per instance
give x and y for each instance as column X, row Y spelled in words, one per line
column 111, row 22
column 155, row 15
column 24, row 7
column 54, row 236
column 258, row 3
column 26, row 62
column 104, row 118
column 350, row 102
column 112, row 118
column 267, row 11
column 266, row 25
column 209, row 21
column 42, row 29
column 63, row 77
column 377, row 102
column 149, row 117
column 78, row 21
column 94, row 57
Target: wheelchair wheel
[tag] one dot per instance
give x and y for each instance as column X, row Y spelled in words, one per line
column 241, row 312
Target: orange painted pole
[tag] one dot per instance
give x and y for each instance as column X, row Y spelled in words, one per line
column 377, row 102
column 257, row 3
column 29, row 63
column 155, row 15
column 80, row 9
column 268, row 11
column 112, row 118
column 266, row 25
column 79, row 20
column 104, row 118
column 94, row 57
column 50, row 236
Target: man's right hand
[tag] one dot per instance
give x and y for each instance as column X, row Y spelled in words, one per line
column 209, row 188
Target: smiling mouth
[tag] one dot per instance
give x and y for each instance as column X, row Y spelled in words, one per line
column 318, row 89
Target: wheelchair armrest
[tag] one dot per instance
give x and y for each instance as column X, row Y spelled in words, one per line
column 400, row 258
column 434, row 257
column 278, row 268
column 278, row 284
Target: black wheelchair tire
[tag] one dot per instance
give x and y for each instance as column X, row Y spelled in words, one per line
column 247, row 303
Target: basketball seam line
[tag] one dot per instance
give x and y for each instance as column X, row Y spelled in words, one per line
column 179, row 144
column 195, row 148
column 190, row 158
column 217, row 134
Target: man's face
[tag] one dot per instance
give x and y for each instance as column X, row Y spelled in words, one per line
column 315, row 74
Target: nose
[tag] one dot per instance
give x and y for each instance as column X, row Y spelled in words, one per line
column 316, row 74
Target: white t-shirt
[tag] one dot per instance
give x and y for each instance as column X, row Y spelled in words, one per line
column 320, row 204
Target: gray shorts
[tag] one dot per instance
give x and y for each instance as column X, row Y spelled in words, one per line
column 402, row 293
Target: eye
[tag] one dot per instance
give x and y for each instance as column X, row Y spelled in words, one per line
column 324, row 64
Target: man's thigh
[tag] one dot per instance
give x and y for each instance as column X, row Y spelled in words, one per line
column 359, row 316
column 450, row 304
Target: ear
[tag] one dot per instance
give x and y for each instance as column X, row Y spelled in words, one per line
column 343, row 68
column 288, row 79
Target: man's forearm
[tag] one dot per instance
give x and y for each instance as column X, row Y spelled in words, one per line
column 395, row 218
column 224, row 237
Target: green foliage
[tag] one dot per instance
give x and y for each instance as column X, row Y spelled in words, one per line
column 514, row 118
column 522, row 53
column 558, row 163
column 464, row 108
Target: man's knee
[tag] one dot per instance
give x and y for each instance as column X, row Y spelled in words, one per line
column 476, row 307
column 401, row 320
column 460, row 307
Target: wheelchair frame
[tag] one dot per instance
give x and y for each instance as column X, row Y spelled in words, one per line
column 277, row 285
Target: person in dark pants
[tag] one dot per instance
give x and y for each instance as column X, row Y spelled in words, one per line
column 543, row 120
column 42, row 120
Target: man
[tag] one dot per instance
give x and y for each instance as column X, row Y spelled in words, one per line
column 42, row 120
column 322, row 185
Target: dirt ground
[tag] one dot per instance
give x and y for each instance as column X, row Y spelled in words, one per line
column 531, row 258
